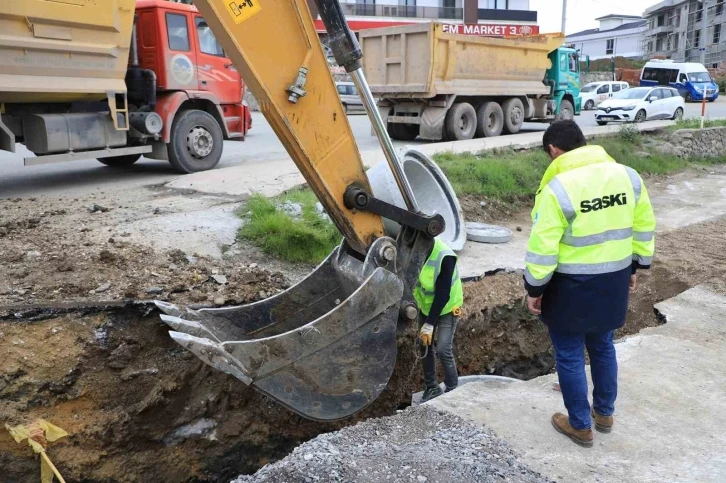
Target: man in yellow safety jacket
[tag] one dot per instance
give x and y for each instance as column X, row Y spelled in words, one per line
column 593, row 228
column 439, row 296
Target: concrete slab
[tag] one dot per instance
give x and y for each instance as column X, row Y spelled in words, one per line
column 203, row 231
column 269, row 178
column 477, row 259
column 670, row 410
column 689, row 201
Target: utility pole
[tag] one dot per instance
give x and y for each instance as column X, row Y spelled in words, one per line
column 704, row 33
column 564, row 15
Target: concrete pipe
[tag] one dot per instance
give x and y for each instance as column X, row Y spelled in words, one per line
column 432, row 190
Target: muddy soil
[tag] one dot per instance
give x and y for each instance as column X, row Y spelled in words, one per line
column 140, row 408
column 486, row 210
column 79, row 251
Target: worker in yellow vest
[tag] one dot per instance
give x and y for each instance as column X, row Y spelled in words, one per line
column 593, row 229
column 439, row 295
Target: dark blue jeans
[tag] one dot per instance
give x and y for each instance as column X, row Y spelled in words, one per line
column 570, row 360
column 445, row 329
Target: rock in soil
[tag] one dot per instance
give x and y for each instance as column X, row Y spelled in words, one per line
column 419, row 444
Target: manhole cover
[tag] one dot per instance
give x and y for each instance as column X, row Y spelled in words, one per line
column 483, row 233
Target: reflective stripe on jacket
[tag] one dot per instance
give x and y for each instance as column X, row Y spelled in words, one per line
column 425, row 288
column 591, row 216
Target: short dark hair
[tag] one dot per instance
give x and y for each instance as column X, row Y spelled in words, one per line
column 565, row 135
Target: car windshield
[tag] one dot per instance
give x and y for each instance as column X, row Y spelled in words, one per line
column 589, row 87
column 699, row 77
column 636, row 93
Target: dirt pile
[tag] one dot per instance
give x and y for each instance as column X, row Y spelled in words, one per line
column 137, row 406
column 79, row 253
column 140, row 408
column 419, row 444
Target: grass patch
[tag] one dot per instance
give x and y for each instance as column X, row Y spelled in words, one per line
column 695, row 123
column 308, row 238
column 514, row 176
column 503, row 175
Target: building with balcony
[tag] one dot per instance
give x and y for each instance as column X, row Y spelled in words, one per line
column 676, row 31
column 476, row 17
column 617, row 36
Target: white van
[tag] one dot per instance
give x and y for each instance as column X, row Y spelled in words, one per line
column 595, row 92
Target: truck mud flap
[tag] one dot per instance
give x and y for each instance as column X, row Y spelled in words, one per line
column 432, row 123
column 324, row 348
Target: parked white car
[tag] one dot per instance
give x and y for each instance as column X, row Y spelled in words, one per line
column 596, row 92
column 641, row 104
column 349, row 97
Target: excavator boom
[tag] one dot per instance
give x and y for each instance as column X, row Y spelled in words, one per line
column 325, row 348
column 275, row 46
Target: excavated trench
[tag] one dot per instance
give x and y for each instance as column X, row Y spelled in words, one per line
column 140, row 408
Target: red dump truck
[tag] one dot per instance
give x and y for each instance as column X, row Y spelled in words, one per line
column 116, row 81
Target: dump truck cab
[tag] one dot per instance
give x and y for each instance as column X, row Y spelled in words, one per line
column 564, row 78
column 191, row 68
column 115, row 81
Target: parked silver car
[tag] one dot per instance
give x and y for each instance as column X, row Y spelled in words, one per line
column 349, row 97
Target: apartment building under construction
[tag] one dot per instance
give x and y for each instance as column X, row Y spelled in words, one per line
column 675, row 30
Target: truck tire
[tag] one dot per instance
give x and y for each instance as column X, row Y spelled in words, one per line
column 196, row 142
column 513, row 115
column 404, row 132
column 489, row 120
column 460, row 122
column 120, row 161
column 567, row 112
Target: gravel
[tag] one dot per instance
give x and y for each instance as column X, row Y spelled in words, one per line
column 417, row 445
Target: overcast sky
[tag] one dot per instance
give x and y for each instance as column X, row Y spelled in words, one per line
column 581, row 14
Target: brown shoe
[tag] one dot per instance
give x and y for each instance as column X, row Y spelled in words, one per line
column 583, row 437
column 603, row 424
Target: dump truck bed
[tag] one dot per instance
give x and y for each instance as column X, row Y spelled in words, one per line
column 422, row 61
column 63, row 50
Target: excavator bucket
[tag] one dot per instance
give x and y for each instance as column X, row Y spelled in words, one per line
column 325, row 348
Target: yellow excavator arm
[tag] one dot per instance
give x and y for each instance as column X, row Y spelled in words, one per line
column 272, row 43
column 325, row 348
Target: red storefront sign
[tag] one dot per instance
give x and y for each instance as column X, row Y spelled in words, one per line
column 490, row 30
column 484, row 30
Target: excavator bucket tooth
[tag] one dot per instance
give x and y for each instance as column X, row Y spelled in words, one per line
column 325, row 348
column 212, row 353
column 189, row 327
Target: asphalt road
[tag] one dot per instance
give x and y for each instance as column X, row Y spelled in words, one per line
column 78, row 177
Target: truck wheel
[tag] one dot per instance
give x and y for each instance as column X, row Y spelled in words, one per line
column 513, row 115
column 689, row 97
column 460, row 123
column 404, row 132
column 567, row 112
column 489, row 120
column 120, row 161
column 196, row 142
